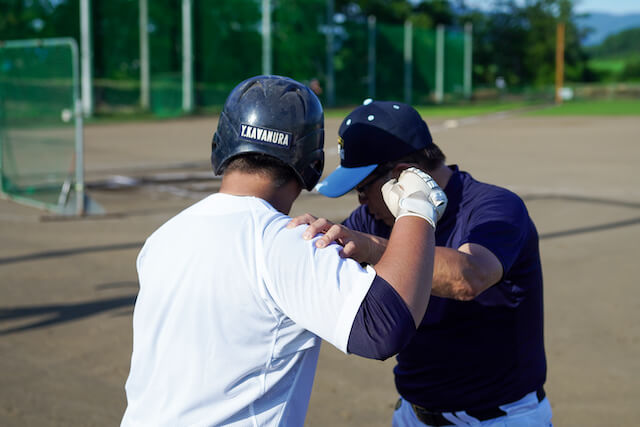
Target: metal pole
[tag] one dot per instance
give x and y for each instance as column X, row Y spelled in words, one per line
column 371, row 22
column 266, row 37
column 439, row 95
column 331, row 91
column 79, row 132
column 559, row 61
column 468, row 59
column 144, row 54
column 86, row 56
column 187, row 57
column 408, row 60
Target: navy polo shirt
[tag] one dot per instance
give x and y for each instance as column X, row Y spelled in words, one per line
column 486, row 352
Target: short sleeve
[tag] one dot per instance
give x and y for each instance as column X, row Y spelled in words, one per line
column 316, row 288
column 501, row 224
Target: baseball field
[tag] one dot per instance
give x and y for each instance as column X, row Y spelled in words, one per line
column 68, row 285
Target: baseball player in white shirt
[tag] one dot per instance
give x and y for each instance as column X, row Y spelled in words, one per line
column 233, row 303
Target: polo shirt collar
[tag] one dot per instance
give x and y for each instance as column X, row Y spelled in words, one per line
column 453, row 190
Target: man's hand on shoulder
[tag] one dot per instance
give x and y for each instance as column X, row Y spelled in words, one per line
column 362, row 247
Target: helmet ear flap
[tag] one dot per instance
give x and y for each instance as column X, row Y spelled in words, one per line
column 222, row 144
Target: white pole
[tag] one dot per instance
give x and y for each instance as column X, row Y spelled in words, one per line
column 468, row 61
column 371, row 21
column 439, row 95
column 187, row 57
column 79, row 132
column 266, row 37
column 331, row 91
column 144, row 54
column 408, row 60
column 86, row 57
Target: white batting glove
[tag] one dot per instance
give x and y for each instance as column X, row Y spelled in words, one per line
column 415, row 193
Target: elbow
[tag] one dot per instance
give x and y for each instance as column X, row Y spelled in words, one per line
column 463, row 291
column 470, row 285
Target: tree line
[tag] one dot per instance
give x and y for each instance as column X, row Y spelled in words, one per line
column 513, row 40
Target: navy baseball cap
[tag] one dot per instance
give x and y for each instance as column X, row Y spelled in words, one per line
column 374, row 133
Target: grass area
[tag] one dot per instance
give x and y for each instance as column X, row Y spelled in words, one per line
column 458, row 110
column 578, row 108
column 619, row 107
column 609, row 65
column 461, row 110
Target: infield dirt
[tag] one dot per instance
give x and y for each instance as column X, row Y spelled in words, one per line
column 67, row 286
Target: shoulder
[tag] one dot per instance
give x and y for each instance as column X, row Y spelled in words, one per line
column 481, row 194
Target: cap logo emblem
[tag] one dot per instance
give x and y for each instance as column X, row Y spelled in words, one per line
column 265, row 135
column 341, row 147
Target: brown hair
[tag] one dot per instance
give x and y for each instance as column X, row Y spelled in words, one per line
column 428, row 159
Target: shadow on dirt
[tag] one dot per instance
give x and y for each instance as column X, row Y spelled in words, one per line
column 56, row 314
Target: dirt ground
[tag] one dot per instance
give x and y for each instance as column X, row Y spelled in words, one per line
column 67, row 286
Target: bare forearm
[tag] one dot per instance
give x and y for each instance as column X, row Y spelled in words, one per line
column 407, row 263
column 373, row 247
column 450, row 267
column 464, row 273
column 455, row 274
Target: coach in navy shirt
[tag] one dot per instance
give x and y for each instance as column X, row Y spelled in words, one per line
column 478, row 355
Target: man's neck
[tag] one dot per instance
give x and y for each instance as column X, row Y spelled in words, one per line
column 441, row 175
column 238, row 183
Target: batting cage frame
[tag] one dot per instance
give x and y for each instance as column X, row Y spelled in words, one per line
column 41, row 158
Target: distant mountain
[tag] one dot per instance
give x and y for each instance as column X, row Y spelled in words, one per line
column 605, row 24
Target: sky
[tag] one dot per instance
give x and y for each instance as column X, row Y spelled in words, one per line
column 617, row 7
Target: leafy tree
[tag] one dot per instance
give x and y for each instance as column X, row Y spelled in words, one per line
column 518, row 41
column 624, row 43
column 631, row 70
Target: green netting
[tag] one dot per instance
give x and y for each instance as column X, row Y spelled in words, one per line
column 227, row 46
column 37, row 126
column 390, row 62
column 116, row 67
column 165, row 51
column 454, row 63
column 299, row 40
column 424, row 65
column 350, row 63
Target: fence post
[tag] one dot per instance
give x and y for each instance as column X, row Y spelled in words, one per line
column 408, row 61
column 266, row 37
column 331, row 91
column 144, row 54
column 559, row 61
column 371, row 23
column 187, row 57
column 79, row 132
column 468, row 59
column 439, row 95
column 86, row 57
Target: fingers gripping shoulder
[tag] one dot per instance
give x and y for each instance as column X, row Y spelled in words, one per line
column 415, row 193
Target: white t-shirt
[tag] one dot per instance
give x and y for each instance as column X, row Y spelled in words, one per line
column 227, row 322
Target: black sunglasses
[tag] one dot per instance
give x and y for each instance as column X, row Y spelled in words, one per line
column 377, row 173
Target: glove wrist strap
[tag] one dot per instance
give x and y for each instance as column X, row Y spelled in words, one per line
column 419, row 208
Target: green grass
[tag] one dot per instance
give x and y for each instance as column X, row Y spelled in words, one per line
column 609, row 65
column 578, row 108
column 463, row 110
column 620, row 107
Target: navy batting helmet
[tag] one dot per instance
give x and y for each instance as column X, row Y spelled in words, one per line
column 276, row 116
